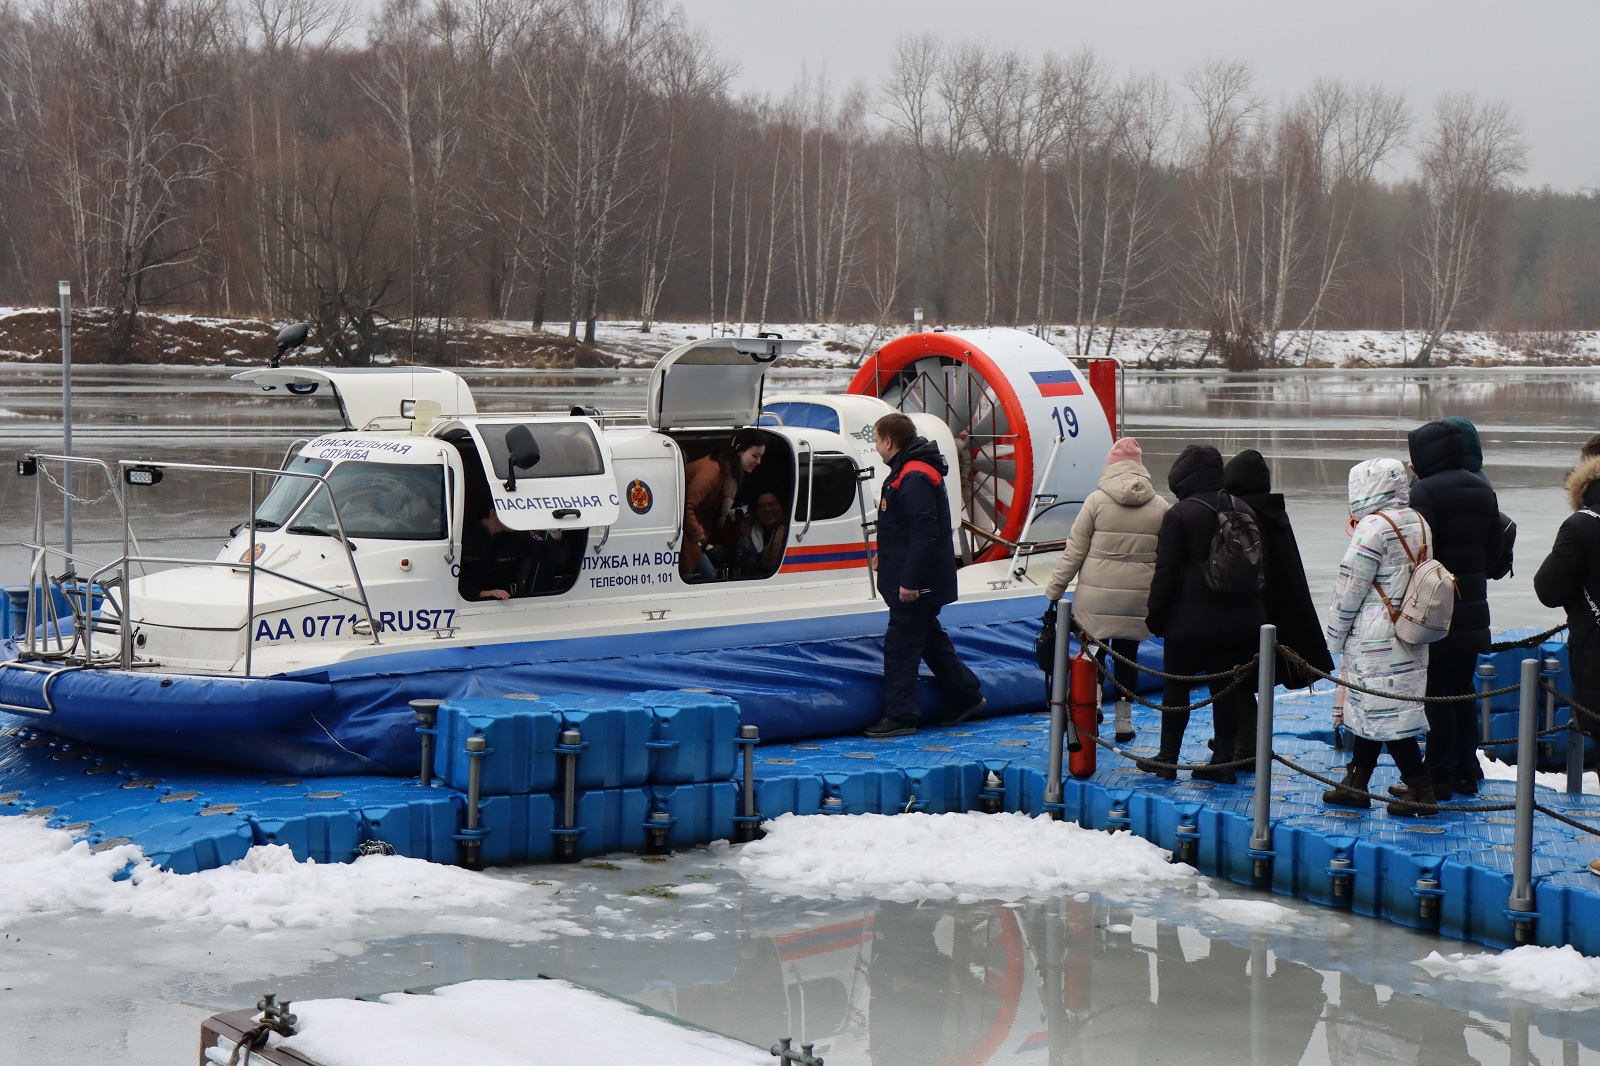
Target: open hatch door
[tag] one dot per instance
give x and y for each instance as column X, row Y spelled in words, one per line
column 713, row 384
column 368, row 392
column 550, row 473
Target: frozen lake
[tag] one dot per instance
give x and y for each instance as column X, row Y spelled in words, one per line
column 1196, row 973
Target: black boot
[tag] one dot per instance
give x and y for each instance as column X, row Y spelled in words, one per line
column 1347, row 793
column 1417, row 790
column 1244, row 746
column 1173, row 725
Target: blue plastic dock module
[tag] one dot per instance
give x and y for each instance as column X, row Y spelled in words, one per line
column 616, row 736
column 521, row 734
column 694, row 736
column 1452, row 869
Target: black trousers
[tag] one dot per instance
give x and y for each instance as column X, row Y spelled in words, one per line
column 914, row 636
column 1452, row 727
column 1228, row 712
column 1127, row 675
column 1406, row 754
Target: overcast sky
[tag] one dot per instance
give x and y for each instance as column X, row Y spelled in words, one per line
column 1543, row 56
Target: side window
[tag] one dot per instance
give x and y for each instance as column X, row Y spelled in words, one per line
column 565, row 450
column 830, row 483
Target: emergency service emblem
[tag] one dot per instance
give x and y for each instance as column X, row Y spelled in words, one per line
column 639, row 496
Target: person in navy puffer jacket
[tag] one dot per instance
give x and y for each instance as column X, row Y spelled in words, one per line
column 916, row 576
column 1464, row 515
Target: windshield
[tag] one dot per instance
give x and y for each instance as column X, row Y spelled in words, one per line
column 390, row 501
column 289, row 492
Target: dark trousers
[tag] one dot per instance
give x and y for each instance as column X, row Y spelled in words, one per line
column 1127, row 675
column 915, row 636
column 1406, row 754
column 1452, row 727
column 1227, row 713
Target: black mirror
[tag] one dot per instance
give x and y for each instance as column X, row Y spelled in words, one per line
column 522, row 453
column 291, row 336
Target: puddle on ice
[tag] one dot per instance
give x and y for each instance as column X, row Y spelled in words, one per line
column 1194, row 971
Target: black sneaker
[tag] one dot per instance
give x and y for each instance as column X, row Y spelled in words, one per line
column 967, row 715
column 889, row 727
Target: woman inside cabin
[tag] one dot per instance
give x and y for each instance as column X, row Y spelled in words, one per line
column 712, row 484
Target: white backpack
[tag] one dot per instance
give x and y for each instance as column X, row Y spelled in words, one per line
column 1424, row 613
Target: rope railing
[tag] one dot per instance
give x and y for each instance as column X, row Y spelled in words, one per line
column 1533, row 681
column 1101, row 652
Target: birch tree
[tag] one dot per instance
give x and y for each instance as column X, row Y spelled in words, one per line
column 1466, row 158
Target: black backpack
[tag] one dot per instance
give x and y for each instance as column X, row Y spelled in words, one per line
column 1235, row 565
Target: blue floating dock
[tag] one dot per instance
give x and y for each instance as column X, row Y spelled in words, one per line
column 664, row 766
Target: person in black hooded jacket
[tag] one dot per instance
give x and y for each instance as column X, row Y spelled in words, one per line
column 916, row 576
column 1287, row 597
column 1464, row 515
column 1205, row 631
column 1570, row 578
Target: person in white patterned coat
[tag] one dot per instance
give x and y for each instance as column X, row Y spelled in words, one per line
column 1376, row 567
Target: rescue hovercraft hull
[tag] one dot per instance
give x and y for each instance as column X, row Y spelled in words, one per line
column 432, row 551
column 816, row 677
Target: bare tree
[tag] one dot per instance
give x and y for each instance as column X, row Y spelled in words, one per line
column 133, row 143
column 1226, row 109
column 1468, row 155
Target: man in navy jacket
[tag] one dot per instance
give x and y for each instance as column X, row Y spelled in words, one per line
column 916, row 576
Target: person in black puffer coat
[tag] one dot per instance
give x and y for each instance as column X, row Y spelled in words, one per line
column 1205, row 631
column 1464, row 515
column 1570, row 578
column 1287, row 597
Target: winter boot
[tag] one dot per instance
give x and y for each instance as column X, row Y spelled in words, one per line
column 1417, row 790
column 1244, row 746
column 1124, row 721
column 1173, row 725
column 1347, row 793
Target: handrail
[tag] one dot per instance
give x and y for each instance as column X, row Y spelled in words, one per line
column 811, row 483
column 42, row 609
column 38, row 573
column 1033, row 510
column 252, row 472
column 320, row 485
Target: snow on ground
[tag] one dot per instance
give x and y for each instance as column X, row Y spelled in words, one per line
column 45, row 872
column 965, row 857
column 840, row 344
column 1555, row 780
column 498, row 1021
column 1550, row 975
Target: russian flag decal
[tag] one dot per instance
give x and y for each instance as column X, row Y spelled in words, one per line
column 1056, row 383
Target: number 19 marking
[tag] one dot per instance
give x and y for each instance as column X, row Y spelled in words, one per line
column 1066, row 421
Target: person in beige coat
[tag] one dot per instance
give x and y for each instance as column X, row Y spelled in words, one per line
column 1112, row 552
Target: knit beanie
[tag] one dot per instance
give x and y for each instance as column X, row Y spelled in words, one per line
column 1124, row 448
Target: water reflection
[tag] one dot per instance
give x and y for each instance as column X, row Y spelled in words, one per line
column 1071, row 981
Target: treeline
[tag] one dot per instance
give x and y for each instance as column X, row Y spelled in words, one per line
column 567, row 160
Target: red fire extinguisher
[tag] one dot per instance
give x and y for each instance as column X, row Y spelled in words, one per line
column 1083, row 704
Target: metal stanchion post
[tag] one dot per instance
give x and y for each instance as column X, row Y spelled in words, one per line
column 1574, row 753
column 471, row 838
column 1058, row 709
column 1486, row 673
column 1266, row 678
column 427, row 712
column 1550, row 669
column 748, row 824
column 1520, row 909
